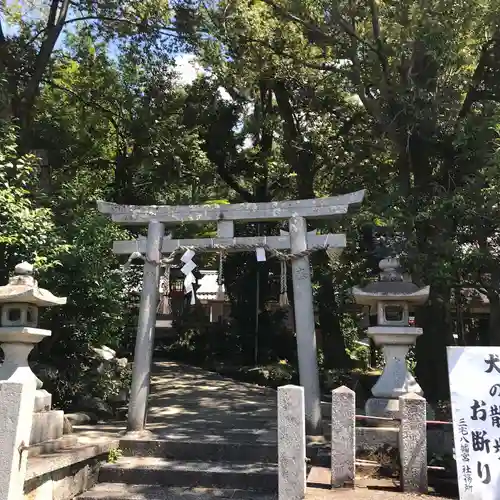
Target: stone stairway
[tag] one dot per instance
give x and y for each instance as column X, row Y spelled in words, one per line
column 207, row 437
column 181, row 470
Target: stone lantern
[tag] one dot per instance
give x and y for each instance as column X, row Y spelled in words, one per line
column 19, row 333
column 393, row 297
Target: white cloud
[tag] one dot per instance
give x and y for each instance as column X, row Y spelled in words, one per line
column 187, row 68
column 249, row 108
column 224, row 94
column 247, row 143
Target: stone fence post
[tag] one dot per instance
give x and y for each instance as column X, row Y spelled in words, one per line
column 413, row 443
column 16, row 410
column 343, row 437
column 291, row 443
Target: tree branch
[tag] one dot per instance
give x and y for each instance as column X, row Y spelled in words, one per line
column 51, row 21
column 351, row 31
column 118, row 20
column 286, row 112
column 378, row 40
column 312, row 28
column 261, row 189
column 92, row 104
column 171, row 31
column 281, row 52
column 2, row 35
column 233, row 184
column 43, row 58
column 4, row 62
column 343, row 130
column 477, row 77
column 370, row 105
column 63, row 13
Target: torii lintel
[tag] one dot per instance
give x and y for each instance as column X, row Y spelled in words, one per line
column 275, row 210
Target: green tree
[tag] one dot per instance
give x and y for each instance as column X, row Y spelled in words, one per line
column 27, row 232
column 26, row 57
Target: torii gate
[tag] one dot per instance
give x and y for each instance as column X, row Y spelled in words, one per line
column 298, row 240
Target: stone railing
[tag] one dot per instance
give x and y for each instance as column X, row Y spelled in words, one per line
column 410, row 431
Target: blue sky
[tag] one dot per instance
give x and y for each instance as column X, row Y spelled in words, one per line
column 187, row 67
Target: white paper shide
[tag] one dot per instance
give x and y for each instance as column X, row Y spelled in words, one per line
column 475, row 400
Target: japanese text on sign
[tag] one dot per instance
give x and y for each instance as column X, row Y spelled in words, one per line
column 475, row 400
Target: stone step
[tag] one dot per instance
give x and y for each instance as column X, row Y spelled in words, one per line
column 208, row 451
column 160, row 471
column 54, row 445
column 120, row 491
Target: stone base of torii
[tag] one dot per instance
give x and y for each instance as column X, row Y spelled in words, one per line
column 298, row 241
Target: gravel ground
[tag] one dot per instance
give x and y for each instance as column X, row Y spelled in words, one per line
column 363, row 494
column 366, row 489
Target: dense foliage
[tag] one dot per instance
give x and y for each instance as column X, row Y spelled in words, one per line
column 292, row 100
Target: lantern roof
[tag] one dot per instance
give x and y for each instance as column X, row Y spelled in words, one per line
column 391, row 286
column 23, row 288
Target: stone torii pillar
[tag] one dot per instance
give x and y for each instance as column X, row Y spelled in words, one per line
column 303, row 308
column 144, row 342
column 296, row 211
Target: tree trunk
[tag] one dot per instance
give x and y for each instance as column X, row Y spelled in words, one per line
column 435, row 316
column 334, row 348
column 494, row 323
column 432, row 366
column 483, row 337
column 296, row 150
column 57, row 17
column 123, row 189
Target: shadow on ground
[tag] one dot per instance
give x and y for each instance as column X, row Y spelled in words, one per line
column 188, row 403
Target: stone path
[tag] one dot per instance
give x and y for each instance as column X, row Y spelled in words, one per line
column 189, row 404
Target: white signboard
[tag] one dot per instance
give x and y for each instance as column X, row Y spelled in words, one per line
column 475, row 403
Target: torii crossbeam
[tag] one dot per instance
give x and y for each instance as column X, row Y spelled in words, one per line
column 298, row 241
